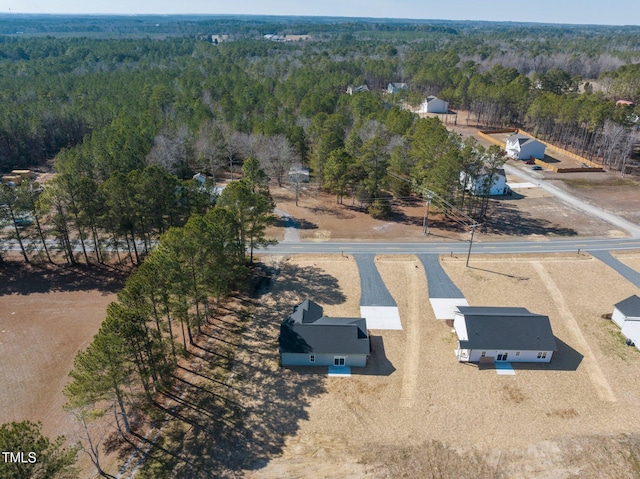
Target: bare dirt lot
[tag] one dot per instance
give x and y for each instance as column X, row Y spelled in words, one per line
column 47, row 314
column 529, row 212
column 554, row 421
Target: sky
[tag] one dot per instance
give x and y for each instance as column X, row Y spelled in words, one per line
column 610, row 12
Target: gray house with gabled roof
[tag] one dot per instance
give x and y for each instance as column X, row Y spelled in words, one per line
column 308, row 338
column 504, row 334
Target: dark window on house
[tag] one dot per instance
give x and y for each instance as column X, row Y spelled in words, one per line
column 312, row 358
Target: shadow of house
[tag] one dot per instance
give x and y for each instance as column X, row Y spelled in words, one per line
column 378, row 363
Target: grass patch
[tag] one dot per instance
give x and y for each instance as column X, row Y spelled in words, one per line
column 605, row 182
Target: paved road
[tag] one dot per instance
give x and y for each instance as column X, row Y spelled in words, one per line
column 479, row 246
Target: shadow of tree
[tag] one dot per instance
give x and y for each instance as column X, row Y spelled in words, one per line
column 22, row 278
column 225, row 422
column 509, row 220
column 306, row 282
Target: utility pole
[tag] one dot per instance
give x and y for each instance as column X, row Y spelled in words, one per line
column 425, row 221
column 471, row 232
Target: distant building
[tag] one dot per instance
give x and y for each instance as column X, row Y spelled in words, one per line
column 524, row 147
column 357, row 89
column 434, row 105
column 308, row 338
column 200, row 178
column 503, row 335
column 393, row 88
column 298, row 174
column 217, row 39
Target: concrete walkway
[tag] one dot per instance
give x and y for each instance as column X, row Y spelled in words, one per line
column 624, row 270
column 376, row 303
column 444, row 295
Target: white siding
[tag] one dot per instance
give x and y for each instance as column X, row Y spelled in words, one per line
column 617, row 317
column 512, row 356
column 460, row 326
column 631, row 330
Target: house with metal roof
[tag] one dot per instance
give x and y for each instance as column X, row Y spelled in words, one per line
column 503, row 334
column 308, row 338
column 524, row 147
column 626, row 314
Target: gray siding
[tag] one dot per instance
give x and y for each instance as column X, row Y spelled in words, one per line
column 296, row 359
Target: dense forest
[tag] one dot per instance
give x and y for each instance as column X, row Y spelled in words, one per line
column 114, row 107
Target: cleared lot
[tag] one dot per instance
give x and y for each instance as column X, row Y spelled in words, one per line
column 538, row 423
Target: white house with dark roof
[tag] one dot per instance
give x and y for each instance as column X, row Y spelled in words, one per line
column 434, row 105
column 523, row 147
column 504, row 334
column 478, row 186
column 308, row 338
column 626, row 314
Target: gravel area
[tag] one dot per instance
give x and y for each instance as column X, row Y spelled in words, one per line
column 373, row 290
column 440, row 285
column 625, row 271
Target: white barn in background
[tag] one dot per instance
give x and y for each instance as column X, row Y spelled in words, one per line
column 504, row 334
column 434, row 105
column 626, row 314
column 523, row 147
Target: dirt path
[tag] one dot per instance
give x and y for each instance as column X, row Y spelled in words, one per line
column 594, row 371
column 411, row 318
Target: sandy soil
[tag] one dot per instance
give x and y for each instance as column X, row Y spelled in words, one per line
column 414, row 391
column 529, row 212
column 47, row 314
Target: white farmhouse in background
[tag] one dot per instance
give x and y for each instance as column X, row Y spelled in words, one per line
column 523, row 147
column 434, row 105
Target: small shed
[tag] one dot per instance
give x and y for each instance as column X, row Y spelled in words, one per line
column 434, row 105
column 626, row 314
column 504, row 334
column 523, row 147
column 308, row 338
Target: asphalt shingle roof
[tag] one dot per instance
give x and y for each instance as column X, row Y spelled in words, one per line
column 307, row 331
column 506, row 329
column 629, row 306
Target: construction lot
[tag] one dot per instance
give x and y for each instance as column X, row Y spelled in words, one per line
column 551, row 421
